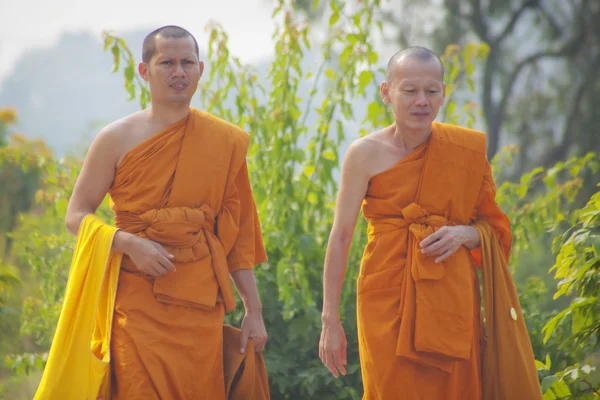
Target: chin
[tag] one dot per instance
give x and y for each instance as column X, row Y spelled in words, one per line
column 180, row 98
column 417, row 124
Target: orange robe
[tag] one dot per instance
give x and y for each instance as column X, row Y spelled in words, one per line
column 186, row 188
column 419, row 323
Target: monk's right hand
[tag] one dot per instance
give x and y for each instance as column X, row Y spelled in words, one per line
column 332, row 347
column 148, row 256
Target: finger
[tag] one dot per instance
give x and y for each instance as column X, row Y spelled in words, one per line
column 165, row 263
column 244, row 341
column 259, row 344
column 163, row 251
column 159, row 269
column 432, row 238
column 153, row 270
column 320, row 351
column 330, row 363
column 435, row 247
column 447, row 254
column 337, row 359
column 344, row 351
column 326, row 360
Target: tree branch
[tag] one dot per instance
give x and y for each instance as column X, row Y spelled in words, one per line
column 513, row 20
column 559, row 151
column 566, row 49
column 478, row 21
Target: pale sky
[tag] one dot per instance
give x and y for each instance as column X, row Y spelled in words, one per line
column 30, row 24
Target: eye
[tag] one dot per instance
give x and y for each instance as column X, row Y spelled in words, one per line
column 433, row 91
column 409, row 90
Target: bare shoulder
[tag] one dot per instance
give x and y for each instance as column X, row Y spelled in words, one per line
column 363, row 149
column 363, row 153
column 113, row 139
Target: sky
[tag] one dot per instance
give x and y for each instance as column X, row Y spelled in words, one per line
column 29, row 24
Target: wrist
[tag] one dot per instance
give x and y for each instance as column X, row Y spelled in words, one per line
column 253, row 309
column 328, row 318
column 122, row 242
column 471, row 237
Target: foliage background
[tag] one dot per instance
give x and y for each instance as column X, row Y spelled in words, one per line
column 297, row 146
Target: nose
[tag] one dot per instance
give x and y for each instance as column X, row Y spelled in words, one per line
column 178, row 72
column 421, row 99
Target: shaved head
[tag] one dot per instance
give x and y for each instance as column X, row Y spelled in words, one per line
column 413, row 53
column 169, row 31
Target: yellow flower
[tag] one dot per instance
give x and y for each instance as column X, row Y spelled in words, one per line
column 8, row 115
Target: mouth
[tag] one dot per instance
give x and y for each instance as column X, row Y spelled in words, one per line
column 178, row 86
column 420, row 114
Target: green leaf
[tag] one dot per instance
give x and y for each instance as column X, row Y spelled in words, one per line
column 364, row 78
column 329, row 155
column 373, row 57
column 309, row 170
column 451, row 108
column 116, row 57
column 547, row 382
column 108, row 41
column 334, row 18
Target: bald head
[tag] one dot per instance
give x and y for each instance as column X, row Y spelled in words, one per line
column 413, row 53
column 170, row 32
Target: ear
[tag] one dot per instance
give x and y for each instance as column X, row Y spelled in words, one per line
column 143, row 70
column 201, row 65
column 384, row 91
column 444, row 90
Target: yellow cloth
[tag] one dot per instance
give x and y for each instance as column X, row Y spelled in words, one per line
column 79, row 359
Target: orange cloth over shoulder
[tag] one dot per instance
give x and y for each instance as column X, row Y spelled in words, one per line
column 418, row 321
column 186, row 188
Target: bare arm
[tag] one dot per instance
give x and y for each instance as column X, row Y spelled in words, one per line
column 253, row 325
column 245, row 283
column 95, row 179
column 353, row 187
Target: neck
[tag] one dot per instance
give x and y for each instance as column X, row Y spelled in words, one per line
column 410, row 138
column 168, row 114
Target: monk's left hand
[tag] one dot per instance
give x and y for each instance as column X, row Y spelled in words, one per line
column 253, row 327
column 447, row 240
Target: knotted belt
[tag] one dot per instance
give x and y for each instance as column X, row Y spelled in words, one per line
column 436, row 304
column 200, row 261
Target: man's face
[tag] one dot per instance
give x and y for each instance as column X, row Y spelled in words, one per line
column 416, row 91
column 174, row 70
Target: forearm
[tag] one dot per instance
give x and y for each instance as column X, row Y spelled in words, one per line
column 245, row 283
column 336, row 259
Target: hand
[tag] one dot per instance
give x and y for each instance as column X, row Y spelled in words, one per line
column 447, row 240
column 148, row 256
column 332, row 347
column 253, row 328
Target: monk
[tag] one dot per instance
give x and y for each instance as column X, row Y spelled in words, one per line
column 187, row 222
column 422, row 186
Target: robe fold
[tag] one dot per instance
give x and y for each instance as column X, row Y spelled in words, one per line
column 509, row 370
column 419, row 322
column 245, row 374
column 188, row 189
